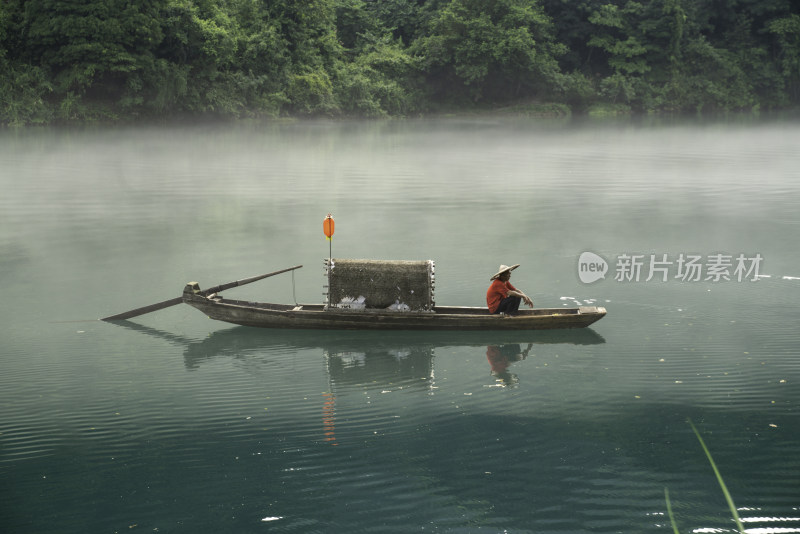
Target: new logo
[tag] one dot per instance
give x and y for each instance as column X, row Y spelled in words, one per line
column 591, row 267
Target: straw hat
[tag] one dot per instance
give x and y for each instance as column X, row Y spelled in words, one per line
column 504, row 268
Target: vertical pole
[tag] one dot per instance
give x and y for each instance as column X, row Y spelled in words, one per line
column 327, row 227
column 330, row 257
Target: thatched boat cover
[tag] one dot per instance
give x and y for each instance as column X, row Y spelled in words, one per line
column 380, row 284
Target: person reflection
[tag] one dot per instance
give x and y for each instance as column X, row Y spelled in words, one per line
column 500, row 359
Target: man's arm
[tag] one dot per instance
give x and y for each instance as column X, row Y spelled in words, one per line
column 525, row 298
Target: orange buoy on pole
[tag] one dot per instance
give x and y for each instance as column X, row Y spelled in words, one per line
column 327, row 227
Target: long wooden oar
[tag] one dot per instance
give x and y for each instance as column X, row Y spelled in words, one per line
column 172, row 302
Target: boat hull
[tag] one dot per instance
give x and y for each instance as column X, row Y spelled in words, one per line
column 314, row 316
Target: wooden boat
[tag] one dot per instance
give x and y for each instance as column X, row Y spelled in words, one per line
column 399, row 296
column 318, row 316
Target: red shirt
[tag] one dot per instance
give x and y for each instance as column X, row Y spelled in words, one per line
column 497, row 292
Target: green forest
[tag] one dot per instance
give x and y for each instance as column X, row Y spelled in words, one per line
column 67, row 61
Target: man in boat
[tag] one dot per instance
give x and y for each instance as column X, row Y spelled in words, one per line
column 502, row 296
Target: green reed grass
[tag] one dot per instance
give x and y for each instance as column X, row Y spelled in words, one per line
column 722, row 485
column 669, row 512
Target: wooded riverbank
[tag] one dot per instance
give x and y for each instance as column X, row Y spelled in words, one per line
column 68, row 61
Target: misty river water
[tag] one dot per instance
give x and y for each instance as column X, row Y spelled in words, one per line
column 176, row 423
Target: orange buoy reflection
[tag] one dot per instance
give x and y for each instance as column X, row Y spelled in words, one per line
column 329, row 418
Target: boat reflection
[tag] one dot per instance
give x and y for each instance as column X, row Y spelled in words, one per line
column 369, row 350
column 362, row 356
column 366, row 359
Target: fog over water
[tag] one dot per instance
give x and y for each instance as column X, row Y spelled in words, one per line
column 176, row 423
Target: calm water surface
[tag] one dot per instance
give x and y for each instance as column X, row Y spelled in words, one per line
column 174, row 423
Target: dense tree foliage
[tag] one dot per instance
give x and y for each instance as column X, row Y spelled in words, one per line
column 67, row 60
